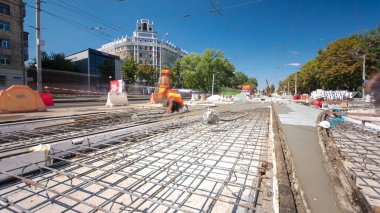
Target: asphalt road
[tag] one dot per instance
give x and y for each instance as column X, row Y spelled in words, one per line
column 91, row 103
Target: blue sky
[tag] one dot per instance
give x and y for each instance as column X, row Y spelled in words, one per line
column 261, row 38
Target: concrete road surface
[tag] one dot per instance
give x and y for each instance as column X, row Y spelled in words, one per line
column 299, row 124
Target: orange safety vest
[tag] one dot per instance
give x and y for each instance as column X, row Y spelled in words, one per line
column 176, row 97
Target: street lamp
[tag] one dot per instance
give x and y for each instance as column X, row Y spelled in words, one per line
column 213, row 81
column 363, row 97
column 166, row 34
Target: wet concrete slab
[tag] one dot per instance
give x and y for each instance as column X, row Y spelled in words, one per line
column 299, row 125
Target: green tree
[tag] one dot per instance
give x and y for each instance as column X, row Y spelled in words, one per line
column 55, row 61
column 147, row 72
column 371, row 43
column 339, row 66
column 129, row 68
column 239, row 79
column 195, row 71
column 253, row 82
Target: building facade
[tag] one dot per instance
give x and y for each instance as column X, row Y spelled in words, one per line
column 144, row 46
column 100, row 67
column 13, row 43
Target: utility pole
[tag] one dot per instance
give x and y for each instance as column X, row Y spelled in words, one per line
column 295, row 84
column 162, row 41
column 363, row 77
column 288, row 88
column 213, row 79
column 38, row 47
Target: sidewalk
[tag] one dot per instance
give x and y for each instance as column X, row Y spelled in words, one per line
column 299, row 125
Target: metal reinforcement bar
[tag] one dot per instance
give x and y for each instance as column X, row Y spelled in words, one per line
column 15, row 163
column 361, row 153
column 189, row 168
column 16, row 142
column 89, row 125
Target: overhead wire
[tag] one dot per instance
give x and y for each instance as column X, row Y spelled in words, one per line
column 87, row 15
column 74, row 23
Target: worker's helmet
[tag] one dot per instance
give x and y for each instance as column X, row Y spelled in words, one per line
column 165, row 72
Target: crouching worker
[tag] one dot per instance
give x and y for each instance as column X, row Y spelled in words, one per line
column 174, row 102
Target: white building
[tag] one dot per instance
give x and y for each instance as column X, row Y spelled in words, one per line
column 144, row 46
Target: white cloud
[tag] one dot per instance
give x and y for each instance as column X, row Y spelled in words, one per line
column 294, row 64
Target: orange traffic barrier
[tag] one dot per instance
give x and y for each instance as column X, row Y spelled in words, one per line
column 19, row 98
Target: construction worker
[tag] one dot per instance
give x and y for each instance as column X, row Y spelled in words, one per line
column 174, row 102
column 373, row 87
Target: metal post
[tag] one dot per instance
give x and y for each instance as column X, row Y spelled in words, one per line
column 363, row 92
column 22, row 9
column 88, row 72
column 161, row 52
column 38, row 47
column 295, row 84
column 212, row 88
column 288, row 87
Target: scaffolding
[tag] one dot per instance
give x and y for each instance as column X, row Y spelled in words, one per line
column 187, row 167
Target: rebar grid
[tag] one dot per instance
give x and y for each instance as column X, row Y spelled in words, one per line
column 359, row 148
column 82, row 126
column 193, row 168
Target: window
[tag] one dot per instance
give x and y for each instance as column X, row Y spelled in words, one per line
column 5, row 43
column 3, row 80
column 4, row 9
column 146, row 47
column 4, row 59
column 150, row 48
column 5, row 26
column 140, row 55
column 145, row 27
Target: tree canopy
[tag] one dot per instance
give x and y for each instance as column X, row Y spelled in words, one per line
column 147, row 72
column 196, row 71
column 129, row 68
column 339, row 66
column 55, row 61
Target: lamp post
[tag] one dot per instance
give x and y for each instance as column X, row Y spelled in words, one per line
column 363, row 92
column 213, row 82
column 166, row 34
column 213, row 79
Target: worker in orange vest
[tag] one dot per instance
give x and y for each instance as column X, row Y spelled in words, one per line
column 174, row 102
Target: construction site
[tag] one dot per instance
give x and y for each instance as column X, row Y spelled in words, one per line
column 219, row 156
